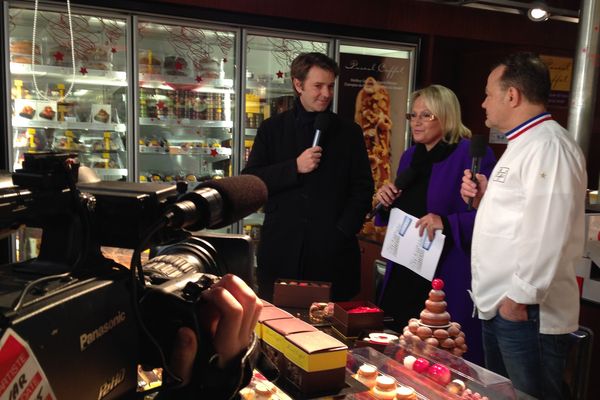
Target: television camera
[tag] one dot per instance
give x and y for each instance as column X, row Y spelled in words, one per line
column 88, row 320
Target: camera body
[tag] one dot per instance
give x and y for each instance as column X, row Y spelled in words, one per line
column 87, row 319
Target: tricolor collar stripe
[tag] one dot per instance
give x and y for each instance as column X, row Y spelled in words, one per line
column 525, row 126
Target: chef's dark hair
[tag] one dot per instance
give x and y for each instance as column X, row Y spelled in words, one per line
column 527, row 72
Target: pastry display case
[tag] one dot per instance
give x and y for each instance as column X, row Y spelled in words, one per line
column 185, row 112
column 418, row 370
column 65, row 98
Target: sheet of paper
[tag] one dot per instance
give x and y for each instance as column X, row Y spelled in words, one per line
column 404, row 246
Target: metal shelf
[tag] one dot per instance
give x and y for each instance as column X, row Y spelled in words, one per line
column 92, row 77
column 186, row 122
column 19, row 122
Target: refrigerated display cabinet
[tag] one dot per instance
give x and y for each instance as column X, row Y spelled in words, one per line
column 186, row 101
column 58, row 105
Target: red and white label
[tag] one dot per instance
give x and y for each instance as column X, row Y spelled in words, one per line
column 21, row 377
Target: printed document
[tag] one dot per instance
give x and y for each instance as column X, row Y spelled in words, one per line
column 404, row 246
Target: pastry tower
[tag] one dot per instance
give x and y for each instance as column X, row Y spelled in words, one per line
column 434, row 326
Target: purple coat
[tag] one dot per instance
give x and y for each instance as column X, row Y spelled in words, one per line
column 443, row 198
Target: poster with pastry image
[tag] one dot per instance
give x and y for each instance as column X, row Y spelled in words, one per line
column 25, row 108
column 46, row 111
column 100, row 113
column 373, row 92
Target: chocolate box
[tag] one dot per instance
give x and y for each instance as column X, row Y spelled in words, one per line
column 300, row 294
column 315, row 362
column 273, row 337
column 268, row 314
column 350, row 323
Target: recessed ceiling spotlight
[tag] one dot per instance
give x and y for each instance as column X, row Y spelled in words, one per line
column 538, row 11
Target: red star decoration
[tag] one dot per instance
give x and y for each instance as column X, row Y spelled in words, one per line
column 279, row 74
column 225, row 59
column 58, row 56
column 83, row 70
column 178, row 65
column 198, row 78
column 113, row 50
column 160, row 105
column 213, row 152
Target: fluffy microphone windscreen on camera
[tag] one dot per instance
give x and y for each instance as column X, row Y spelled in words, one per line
column 478, row 146
column 242, row 195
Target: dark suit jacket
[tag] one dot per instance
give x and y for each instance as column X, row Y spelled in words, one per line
column 311, row 220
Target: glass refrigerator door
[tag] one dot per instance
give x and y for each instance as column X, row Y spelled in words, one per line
column 373, row 89
column 64, row 98
column 186, row 102
column 56, row 105
column 268, row 89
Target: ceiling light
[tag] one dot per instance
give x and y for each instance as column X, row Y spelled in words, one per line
column 538, row 12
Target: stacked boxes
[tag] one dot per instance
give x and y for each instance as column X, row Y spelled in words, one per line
column 308, row 358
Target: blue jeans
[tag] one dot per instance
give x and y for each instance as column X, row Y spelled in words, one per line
column 534, row 362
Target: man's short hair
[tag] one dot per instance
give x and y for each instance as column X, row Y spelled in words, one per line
column 528, row 73
column 305, row 61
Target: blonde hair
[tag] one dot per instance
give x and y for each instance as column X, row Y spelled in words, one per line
column 443, row 103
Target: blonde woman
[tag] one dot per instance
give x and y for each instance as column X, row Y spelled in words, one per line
column 438, row 158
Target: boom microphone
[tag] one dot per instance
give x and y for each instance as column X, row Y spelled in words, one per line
column 403, row 180
column 321, row 124
column 218, row 203
column 476, row 151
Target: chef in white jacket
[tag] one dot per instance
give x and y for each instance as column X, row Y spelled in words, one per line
column 529, row 232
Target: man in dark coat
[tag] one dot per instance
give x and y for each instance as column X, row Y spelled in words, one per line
column 318, row 195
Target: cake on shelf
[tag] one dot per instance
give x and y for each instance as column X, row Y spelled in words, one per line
column 434, row 326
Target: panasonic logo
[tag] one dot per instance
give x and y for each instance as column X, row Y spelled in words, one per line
column 86, row 339
column 112, row 383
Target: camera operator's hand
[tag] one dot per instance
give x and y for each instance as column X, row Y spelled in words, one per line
column 233, row 309
column 230, row 310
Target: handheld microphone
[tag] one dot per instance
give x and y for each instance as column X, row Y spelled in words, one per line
column 476, row 151
column 321, row 124
column 218, row 203
column 403, row 180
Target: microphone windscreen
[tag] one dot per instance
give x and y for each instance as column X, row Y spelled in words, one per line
column 405, row 178
column 478, row 146
column 242, row 195
column 322, row 121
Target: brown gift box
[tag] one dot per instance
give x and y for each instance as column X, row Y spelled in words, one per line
column 351, row 324
column 315, row 362
column 300, row 294
column 267, row 314
column 274, row 341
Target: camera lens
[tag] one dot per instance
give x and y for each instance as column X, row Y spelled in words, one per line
column 189, row 256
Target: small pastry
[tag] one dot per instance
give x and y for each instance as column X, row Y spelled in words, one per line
column 47, row 113
column 385, row 388
column 102, row 116
column 367, row 375
column 405, row 393
column 262, row 391
column 420, row 365
column 27, row 112
column 409, row 362
column 248, row 393
column 456, row 387
column 439, row 373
